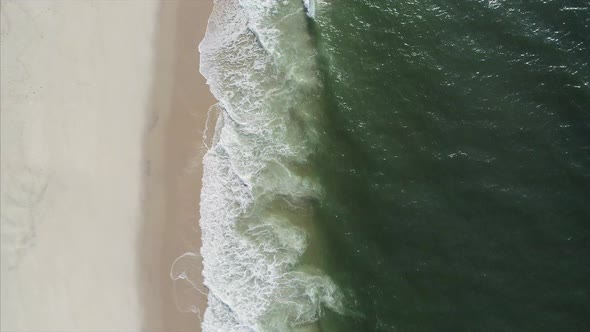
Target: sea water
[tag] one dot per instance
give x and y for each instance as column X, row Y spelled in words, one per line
column 398, row 166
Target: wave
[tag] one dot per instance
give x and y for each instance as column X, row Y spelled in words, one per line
column 309, row 7
column 258, row 188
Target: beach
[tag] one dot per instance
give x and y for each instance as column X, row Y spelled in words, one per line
column 102, row 113
column 249, row 165
column 174, row 150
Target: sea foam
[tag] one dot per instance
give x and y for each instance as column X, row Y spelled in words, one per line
column 257, row 192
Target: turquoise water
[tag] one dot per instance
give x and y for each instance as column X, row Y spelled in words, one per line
column 398, row 166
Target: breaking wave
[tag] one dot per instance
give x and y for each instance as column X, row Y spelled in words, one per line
column 258, row 189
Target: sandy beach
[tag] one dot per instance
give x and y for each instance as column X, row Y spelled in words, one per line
column 174, row 150
column 102, row 112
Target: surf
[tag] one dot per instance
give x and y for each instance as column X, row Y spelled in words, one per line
column 258, row 190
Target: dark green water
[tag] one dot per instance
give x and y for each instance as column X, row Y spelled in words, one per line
column 455, row 157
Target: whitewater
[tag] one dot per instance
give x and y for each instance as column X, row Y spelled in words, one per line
column 258, row 191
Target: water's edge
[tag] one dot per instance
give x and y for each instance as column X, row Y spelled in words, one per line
column 257, row 215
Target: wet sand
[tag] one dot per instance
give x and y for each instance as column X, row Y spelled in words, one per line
column 173, row 166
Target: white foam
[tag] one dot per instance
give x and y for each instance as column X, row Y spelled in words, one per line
column 257, row 59
column 310, row 7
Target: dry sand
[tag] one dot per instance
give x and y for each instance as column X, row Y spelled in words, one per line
column 96, row 144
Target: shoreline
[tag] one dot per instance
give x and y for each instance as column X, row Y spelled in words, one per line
column 173, row 153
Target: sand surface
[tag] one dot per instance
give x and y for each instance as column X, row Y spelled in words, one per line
column 180, row 101
column 96, row 133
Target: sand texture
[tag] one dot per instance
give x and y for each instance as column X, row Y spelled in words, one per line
column 174, row 151
column 102, row 109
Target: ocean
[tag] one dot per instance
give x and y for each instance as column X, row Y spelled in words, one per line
column 397, row 166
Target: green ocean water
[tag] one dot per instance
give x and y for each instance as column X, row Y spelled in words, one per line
column 388, row 165
column 454, row 153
